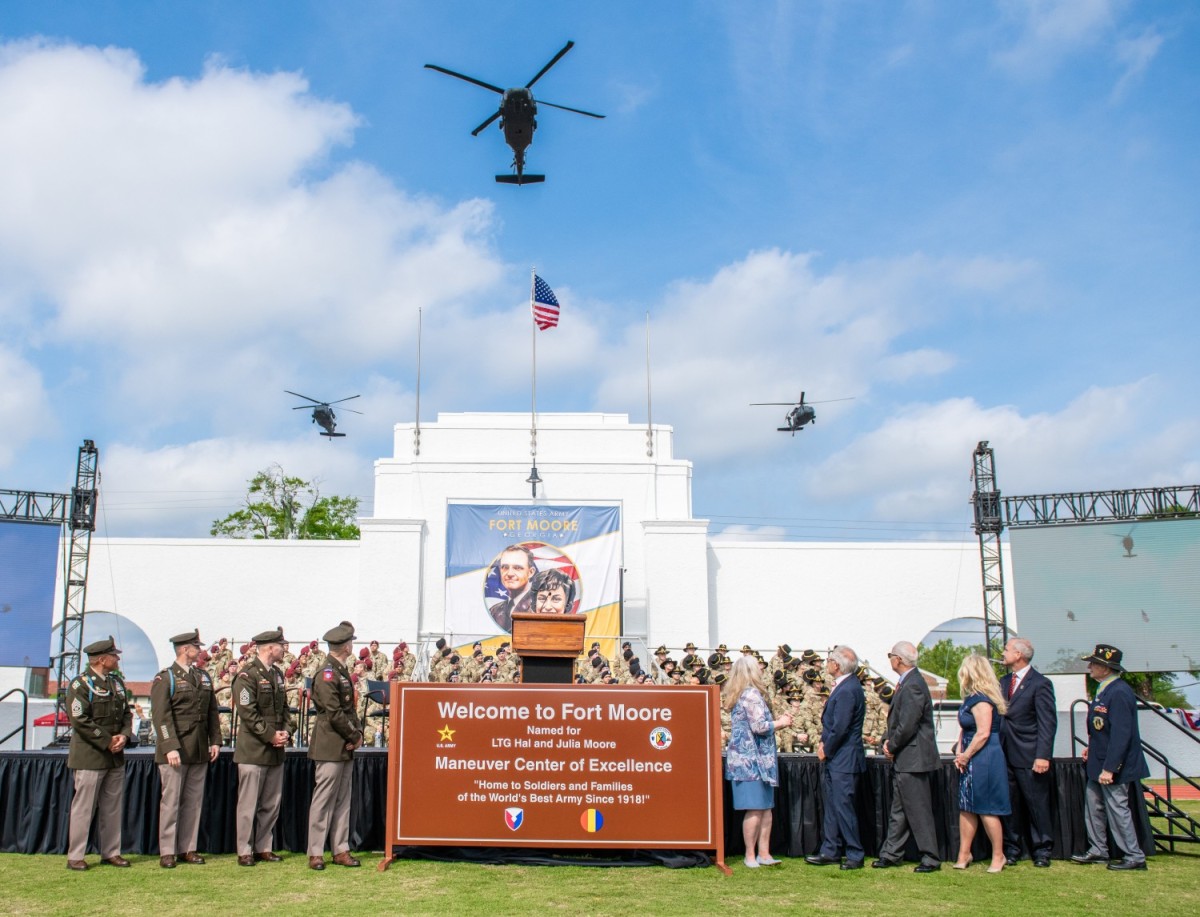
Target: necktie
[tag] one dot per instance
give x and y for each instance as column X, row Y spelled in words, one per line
column 1012, row 686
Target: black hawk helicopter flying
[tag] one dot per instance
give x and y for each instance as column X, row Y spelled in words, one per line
column 322, row 412
column 517, row 116
column 802, row 412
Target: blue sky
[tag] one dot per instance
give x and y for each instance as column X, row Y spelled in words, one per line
column 977, row 220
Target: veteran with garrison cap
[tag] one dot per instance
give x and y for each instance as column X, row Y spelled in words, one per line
column 98, row 707
column 187, row 735
column 335, row 736
column 264, row 728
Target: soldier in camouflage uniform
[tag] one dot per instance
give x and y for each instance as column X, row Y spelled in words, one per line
column 875, row 720
column 336, row 733
column 187, row 736
column 264, row 729
column 101, row 725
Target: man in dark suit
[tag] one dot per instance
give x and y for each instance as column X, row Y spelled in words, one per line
column 910, row 744
column 1115, row 764
column 841, row 751
column 1027, row 735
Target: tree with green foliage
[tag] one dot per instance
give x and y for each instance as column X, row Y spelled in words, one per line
column 279, row 506
column 944, row 658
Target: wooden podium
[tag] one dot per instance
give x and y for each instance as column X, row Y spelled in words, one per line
column 548, row 646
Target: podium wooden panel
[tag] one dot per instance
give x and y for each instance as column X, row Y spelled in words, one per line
column 548, row 635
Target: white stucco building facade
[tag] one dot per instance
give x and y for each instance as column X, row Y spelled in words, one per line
column 679, row 582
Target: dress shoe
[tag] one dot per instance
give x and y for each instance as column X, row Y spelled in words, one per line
column 1127, row 864
column 77, row 865
column 192, row 857
column 118, row 860
column 927, row 867
column 246, row 859
column 1042, row 862
column 344, row 859
column 317, row 863
column 1010, row 861
column 1086, row 859
column 881, row 863
column 167, row 861
column 818, row 860
column 852, row 864
column 268, row 857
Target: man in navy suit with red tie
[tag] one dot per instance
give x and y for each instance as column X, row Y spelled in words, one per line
column 1027, row 736
column 841, row 752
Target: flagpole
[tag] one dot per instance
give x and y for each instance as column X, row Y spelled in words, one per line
column 417, row 425
column 649, row 414
column 533, row 480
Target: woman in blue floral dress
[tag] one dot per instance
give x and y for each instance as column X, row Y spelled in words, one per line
column 750, row 761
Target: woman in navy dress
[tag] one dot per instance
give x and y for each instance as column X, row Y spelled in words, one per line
column 983, row 786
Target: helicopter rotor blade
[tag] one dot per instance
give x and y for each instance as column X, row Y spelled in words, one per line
column 475, row 133
column 340, row 400
column 578, row 111
column 305, row 397
column 554, row 60
column 463, row 76
column 831, row 400
column 759, row 404
column 350, row 410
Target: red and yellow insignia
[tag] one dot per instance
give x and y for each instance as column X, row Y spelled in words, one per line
column 327, row 675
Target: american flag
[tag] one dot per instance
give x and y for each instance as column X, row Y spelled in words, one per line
column 544, row 305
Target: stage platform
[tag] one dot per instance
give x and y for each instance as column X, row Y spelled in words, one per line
column 36, row 789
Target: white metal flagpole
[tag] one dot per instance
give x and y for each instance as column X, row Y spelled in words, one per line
column 417, row 425
column 533, row 480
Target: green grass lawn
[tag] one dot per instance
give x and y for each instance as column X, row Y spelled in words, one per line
column 42, row 885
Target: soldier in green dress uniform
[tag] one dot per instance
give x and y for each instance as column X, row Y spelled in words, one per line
column 102, row 724
column 187, row 735
column 337, row 732
column 264, row 728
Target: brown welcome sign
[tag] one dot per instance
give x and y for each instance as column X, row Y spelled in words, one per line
column 561, row 767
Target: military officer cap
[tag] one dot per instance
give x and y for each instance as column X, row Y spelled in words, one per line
column 626, row 645
column 714, row 659
column 270, row 636
column 792, row 664
column 441, row 643
column 364, row 653
column 795, row 695
column 746, row 648
column 823, row 689
column 1107, row 656
column 812, row 676
column 780, row 677
column 688, row 660
column 691, row 647
column 102, row 647
column 505, row 645
column 886, row 692
column 722, row 649
column 596, row 645
column 810, row 656
column 597, row 662
column 787, row 650
column 661, row 651
column 720, row 678
column 478, row 653
column 192, row 637
column 627, row 654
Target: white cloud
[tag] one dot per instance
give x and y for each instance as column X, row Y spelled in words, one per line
column 772, row 325
column 1135, row 55
column 180, row 489
column 24, row 408
column 1050, row 30
column 199, row 231
column 916, row 464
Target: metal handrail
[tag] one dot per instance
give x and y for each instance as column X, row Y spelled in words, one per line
column 24, row 716
column 1142, row 705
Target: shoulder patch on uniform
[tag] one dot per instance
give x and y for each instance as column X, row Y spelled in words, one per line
column 76, row 708
column 244, row 697
column 327, row 674
column 158, row 678
column 77, row 682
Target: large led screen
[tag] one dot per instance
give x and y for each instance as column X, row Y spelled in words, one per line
column 1133, row 585
column 28, row 557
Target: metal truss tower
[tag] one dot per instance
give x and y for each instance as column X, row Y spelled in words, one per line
column 989, row 524
column 82, row 522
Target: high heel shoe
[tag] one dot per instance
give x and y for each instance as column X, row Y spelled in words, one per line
column 995, row 868
column 969, row 861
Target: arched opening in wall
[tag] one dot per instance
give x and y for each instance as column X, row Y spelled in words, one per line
column 139, row 661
